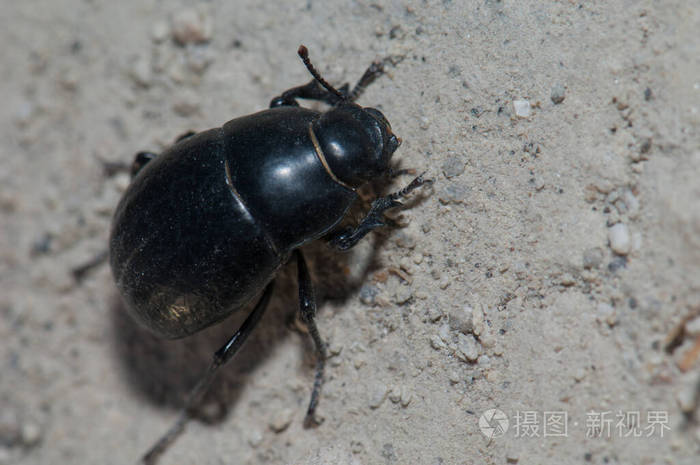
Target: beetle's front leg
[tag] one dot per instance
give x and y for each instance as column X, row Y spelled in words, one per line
column 347, row 238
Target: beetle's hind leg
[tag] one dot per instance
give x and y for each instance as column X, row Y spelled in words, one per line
column 221, row 356
column 307, row 311
column 348, row 238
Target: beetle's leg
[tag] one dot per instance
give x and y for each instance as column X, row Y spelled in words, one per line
column 221, row 356
column 375, row 70
column 347, row 238
column 307, row 310
column 311, row 91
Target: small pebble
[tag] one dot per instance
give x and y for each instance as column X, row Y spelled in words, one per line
column 395, row 394
column 140, row 72
column 434, row 314
column 444, row 333
column 606, row 313
column 406, row 265
column 437, row 343
column 579, row 374
column 512, row 457
column 692, row 328
column 521, row 108
column 406, row 397
column 461, row 319
column 192, row 26
column 255, row 437
column 356, row 447
column 187, row 104
column 405, row 240
column 379, row 393
column 567, row 280
column 631, row 203
column 31, row 434
column 335, row 348
column 417, row 258
column 619, row 236
column 281, row 420
column 467, row 348
column 686, row 399
column 558, row 93
column 160, row 31
column 453, row 166
column 368, row 293
column 199, row 58
column 592, row 258
column 454, row 377
column 402, row 293
column 453, row 193
column 478, row 324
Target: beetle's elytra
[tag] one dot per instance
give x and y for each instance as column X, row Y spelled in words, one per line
column 204, row 226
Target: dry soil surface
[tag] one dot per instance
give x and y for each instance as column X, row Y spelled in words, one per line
column 550, row 272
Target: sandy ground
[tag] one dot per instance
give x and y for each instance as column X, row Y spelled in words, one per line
column 542, row 275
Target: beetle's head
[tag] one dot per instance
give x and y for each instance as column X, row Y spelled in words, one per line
column 357, row 143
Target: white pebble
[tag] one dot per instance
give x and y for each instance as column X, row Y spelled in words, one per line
column 478, row 323
column 437, row 343
column 619, row 236
column 686, row 399
column 395, row 394
column 693, row 327
column 467, row 348
column 406, row 397
column 606, row 313
column 31, row 434
column 255, row 437
column 160, row 31
column 281, row 420
column 192, row 26
column 521, row 108
column 140, row 72
column 461, row 319
column 378, row 395
column 402, row 294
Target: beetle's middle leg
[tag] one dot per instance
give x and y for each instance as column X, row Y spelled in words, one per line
column 221, row 356
column 307, row 310
column 347, row 238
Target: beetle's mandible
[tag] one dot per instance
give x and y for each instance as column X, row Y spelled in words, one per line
column 204, row 226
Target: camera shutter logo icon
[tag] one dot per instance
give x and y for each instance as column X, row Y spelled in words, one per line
column 493, row 423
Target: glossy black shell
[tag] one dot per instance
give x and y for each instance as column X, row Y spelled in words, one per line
column 204, row 226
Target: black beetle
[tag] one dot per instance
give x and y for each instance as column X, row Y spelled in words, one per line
column 204, row 226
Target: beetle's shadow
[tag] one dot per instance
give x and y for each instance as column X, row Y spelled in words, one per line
column 164, row 371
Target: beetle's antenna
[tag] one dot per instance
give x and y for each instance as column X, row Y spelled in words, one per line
column 304, row 54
